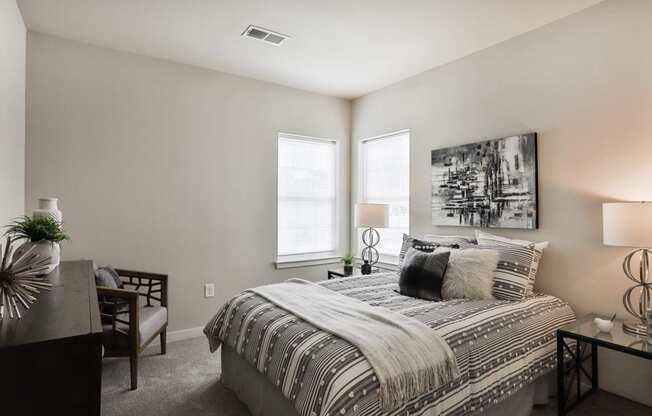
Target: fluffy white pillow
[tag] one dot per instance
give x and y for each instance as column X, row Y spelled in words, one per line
column 470, row 274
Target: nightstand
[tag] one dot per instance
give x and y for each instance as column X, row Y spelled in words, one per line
column 339, row 272
column 584, row 336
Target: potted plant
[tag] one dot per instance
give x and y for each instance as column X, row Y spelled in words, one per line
column 42, row 234
column 348, row 264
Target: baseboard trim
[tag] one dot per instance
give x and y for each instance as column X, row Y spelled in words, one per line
column 181, row 335
column 186, row 334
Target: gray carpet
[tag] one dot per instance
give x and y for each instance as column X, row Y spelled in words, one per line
column 185, row 382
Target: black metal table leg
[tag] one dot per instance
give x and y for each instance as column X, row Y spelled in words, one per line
column 594, row 367
column 578, row 365
column 561, row 399
column 576, row 368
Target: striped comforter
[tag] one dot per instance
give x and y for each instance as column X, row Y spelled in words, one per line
column 499, row 346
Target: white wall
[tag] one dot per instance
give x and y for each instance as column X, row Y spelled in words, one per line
column 12, row 112
column 166, row 167
column 585, row 85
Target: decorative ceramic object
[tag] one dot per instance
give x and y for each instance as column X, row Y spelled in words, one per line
column 48, row 206
column 365, row 268
column 19, row 279
column 604, row 325
column 44, row 249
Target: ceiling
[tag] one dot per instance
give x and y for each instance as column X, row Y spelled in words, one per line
column 344, row 48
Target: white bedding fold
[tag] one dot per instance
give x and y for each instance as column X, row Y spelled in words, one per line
column 408, row 357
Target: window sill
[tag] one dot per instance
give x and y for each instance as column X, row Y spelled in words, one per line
column 302, row 260
column 383, row 263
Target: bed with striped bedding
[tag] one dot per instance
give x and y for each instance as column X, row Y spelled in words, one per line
column 500, row 346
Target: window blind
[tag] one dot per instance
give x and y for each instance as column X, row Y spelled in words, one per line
column 385, row 179
column 307, row 203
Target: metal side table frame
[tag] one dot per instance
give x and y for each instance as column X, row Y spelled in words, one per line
column 583, row 335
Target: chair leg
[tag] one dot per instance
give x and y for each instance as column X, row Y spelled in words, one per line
column 163, row 338
column 133, row 362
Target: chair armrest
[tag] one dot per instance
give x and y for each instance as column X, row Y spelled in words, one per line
column 153, row 279
column 124, row 294
column 131, row 298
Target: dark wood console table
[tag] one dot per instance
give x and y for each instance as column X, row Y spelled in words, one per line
column 51, row 359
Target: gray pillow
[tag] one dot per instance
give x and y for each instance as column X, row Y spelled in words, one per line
column 107, row 277
column 422, row 274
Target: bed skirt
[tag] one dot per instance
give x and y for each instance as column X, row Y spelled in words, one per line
column 262, row 398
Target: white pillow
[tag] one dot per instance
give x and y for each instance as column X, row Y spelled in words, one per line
column 482, row 238
column 470, row 274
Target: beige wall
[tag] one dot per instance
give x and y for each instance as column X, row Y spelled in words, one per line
column 167, row 167
column 12, row 112
column 585, row 85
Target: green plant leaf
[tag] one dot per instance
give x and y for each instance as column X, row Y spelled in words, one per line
column 37, row 229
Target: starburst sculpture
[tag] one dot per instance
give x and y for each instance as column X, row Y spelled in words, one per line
column 21, row 279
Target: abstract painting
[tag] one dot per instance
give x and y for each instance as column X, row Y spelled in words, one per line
column 486, row 184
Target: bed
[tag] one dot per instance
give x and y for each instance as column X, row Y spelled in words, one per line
column 280, row 364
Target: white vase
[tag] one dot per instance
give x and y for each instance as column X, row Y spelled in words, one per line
column 43, row 249
column 48, row 207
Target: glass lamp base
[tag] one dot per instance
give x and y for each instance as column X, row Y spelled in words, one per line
column 635, row 327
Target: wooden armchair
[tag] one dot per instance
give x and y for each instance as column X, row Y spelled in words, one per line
column 130, row 324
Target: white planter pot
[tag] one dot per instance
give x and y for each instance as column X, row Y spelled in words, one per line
column 48, row 207
column 43, row 249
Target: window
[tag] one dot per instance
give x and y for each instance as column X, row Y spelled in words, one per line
column 385, row 179
column 307, row 190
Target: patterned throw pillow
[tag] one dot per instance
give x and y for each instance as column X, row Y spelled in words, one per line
column 422, row 274
column 411, row 242
column 452, row 240
column 486, row 237
column 512, row 274
column 491, row 239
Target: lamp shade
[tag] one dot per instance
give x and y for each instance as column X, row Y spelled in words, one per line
column 627, row 224
column 372, row 215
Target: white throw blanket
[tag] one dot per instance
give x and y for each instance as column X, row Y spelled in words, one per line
column 409, row 358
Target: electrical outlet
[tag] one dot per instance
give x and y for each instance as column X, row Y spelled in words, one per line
column 209, row 290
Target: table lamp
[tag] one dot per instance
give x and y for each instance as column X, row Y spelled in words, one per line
column 629, row 224
column 371, row 216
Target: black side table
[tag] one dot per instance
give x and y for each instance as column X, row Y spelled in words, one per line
column 583, row 335
column 339, row 272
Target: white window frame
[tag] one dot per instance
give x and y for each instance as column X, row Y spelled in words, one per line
column 390, row 262
column 313, row 258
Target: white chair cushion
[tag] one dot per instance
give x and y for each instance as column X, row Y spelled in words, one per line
column 152, row 319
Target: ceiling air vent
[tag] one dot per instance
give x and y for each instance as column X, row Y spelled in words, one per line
column 266, row 35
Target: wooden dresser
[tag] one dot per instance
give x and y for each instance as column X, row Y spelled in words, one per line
column 51, row 359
